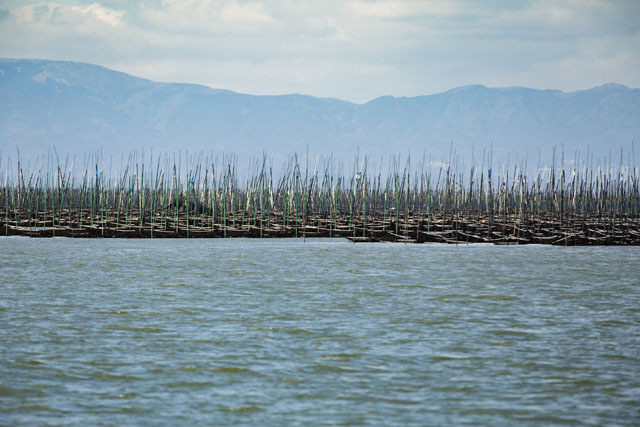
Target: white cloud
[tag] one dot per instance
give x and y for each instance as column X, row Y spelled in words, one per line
column 208, row 16
column 250, row 13
column 405, row 9
column 355, row 50
column 99, row 13
column 56, row 15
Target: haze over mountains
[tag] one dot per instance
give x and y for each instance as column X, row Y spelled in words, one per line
column 81, row 107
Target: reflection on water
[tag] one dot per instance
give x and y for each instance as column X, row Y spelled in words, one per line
column 323, row 331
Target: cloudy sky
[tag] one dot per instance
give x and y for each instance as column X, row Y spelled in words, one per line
column 350, row 49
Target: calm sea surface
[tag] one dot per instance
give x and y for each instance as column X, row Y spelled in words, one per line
column 235, row 331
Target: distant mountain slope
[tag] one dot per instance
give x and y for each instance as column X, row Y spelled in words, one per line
column 81, row 107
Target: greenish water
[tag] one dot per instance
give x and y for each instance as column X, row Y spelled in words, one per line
column 236, row 331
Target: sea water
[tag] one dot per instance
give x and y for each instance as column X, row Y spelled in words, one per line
column 322, row 331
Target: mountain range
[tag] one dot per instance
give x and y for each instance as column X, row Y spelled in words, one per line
column 79, row 108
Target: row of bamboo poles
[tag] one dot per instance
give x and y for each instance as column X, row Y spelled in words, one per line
column 204, row 197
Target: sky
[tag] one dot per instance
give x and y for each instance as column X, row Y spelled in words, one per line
column 350, row 49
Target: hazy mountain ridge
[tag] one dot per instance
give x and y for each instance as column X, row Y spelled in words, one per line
column 81, row 107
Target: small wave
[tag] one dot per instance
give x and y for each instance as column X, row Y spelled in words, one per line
column 126, row 395
column 512, row 332
column 174, row 285
column 616, row 356
column 297, row 331
column 191, row 384
column 108, row 376
column 36, row 408
column 322, row 368
column 132, row 410
column 114, row 312
column 138, row 329
column 611, row 323
column 450, row 357
column 232, row 370
column 494, row 297
column 343, row 356
column 242, row 409
column 189, row 368
column 18, row 392
column 265, row 329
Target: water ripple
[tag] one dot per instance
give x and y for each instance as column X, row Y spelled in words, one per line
column 320, row 331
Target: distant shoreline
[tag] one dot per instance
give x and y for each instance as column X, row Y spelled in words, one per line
column 434, row 227
column 576, row 207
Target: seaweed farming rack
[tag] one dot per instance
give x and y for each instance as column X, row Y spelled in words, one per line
column 198, row 196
